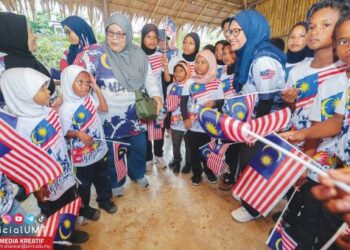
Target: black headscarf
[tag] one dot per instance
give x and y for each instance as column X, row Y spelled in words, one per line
column 14, row 42
column 145, row 30
column 295, row 57
column 192, row 57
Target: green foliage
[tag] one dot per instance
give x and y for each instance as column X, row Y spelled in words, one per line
column 50, row 49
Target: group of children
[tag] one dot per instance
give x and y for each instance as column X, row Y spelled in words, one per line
column 312, row 79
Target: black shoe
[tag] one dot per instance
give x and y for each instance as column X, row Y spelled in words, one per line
column 176, row 168
column 196, row 180
column 186, row 169
column 21, row 194
column 211, row 179
column 79, row 237
column 90, row 213
column 108, row 206
column 66, row 247
column 173, row 163
column 276, row 215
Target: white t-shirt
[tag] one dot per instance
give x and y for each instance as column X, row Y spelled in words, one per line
column 157, row 67
column 176, row 121
column 307, row 80
column 289, row 66
column 76, row 117
column 330, row 99
column 199, row 94
column 45, row 132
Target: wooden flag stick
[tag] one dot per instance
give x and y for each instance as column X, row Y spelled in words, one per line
column 335, row 236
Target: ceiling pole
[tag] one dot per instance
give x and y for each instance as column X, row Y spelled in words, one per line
column 105, row 13
column 245, row 4
column 154, row 11
column 200, row 14
column 182, row 6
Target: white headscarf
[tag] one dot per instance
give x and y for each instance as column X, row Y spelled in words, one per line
column 19, row 86
column 68, row 76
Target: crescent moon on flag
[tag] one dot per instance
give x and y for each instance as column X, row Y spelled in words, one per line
column 206, row 152
column 278, row 243
column 324, row 107
column 279, row 153
column 62, row 235
column 205, row 110
column 238, row 104
column 104, row 61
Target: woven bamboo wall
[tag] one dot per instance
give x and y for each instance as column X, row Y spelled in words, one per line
column 283, row 14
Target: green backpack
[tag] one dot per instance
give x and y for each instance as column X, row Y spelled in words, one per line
column 146, row 108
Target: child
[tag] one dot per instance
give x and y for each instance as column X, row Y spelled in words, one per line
column 182, row 78
column 149, row 43
column 205, row 90
column 259, row 67
column 218, row 52
column 26, row 95
column 327, row 112
column 298, row 51
column 83, row 127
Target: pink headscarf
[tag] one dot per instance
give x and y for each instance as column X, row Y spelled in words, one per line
column 212, row 71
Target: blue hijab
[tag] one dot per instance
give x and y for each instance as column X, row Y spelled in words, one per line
column 257, row 31
column 83, row 30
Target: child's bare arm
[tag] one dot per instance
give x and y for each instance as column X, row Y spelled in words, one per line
column 84, row 137
column 103, row 106
column 167, row 76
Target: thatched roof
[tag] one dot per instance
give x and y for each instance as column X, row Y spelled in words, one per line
column 199, row 13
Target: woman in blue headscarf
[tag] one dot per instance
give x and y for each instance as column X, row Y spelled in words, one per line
column 260, row 67
column 80, row 35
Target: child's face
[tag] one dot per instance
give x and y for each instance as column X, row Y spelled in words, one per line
column 162, row 44
column 188, row 46
column 218, row 51
column 71, row 36
column 201, row 66
column 81, row 85
column 179, row 73
column 297, row 39
column 343, row 42
column 42, row 97
column 31, row 39
column 237, row 38
column 151, row 40
column 229, row 56
column 321, row 27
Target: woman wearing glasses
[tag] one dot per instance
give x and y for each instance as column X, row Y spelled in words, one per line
column 259, row 67
column 121, row 68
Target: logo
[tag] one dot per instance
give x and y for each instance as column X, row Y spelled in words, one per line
column 41, row 218
column 18, row 219
column 29, row 219
column 6, row 219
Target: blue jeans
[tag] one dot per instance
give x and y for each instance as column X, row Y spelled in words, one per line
column 136, row 159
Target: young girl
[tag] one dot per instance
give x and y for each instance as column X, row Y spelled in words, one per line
column 327, row 113
column 182, row 78
column 298, row 51
column 219, row 49
column 83, row 127
column 26, row 95
column 149, row 43
column 205, row 90
column 259, row 67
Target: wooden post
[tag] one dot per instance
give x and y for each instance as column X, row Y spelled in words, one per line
column 105, row 12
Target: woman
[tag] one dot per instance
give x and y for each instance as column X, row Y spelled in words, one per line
column 16, row 47
column 122, row 68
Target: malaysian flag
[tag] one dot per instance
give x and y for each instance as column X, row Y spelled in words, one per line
column 269, row 175
column 202, row 89
column 85, row 115
column 22, row 161
column 308, row 86
column 170, row 28
column 155, row 132
column 280, row 239
column 61, row 224
column 241, row 107
column 213, row 154
column 273, row 122
column 156, row 62
column 209, row 119
column 120, row 149
column 267, row 74
column 227, row 87
column 173, row 98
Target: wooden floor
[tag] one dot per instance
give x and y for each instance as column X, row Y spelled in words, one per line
column 173, row 214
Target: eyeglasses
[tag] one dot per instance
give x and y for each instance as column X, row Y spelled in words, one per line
column 118, row 34
column 234, row 32
column 343, row 42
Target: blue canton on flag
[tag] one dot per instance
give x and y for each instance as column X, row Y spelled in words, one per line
column 329, row 105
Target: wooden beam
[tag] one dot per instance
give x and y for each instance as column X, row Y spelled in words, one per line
column 105, row 11
column 155, row 9
column 200, row 13
column 182, row 6
column 256, row 3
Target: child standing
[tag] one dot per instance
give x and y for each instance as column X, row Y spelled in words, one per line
column 205, row 90
column 26, row 95
column 149, row 43
column 83, row 127
column 182, row 78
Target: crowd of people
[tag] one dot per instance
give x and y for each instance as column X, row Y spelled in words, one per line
column 100, row 81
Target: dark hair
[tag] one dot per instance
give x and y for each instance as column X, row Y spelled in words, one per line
column 278, row 43
column 341, row 20
column 304, row 24
column 228, row 44
column 210, row 47
column 341, row 5
column 223, row 42
column 226, row 20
